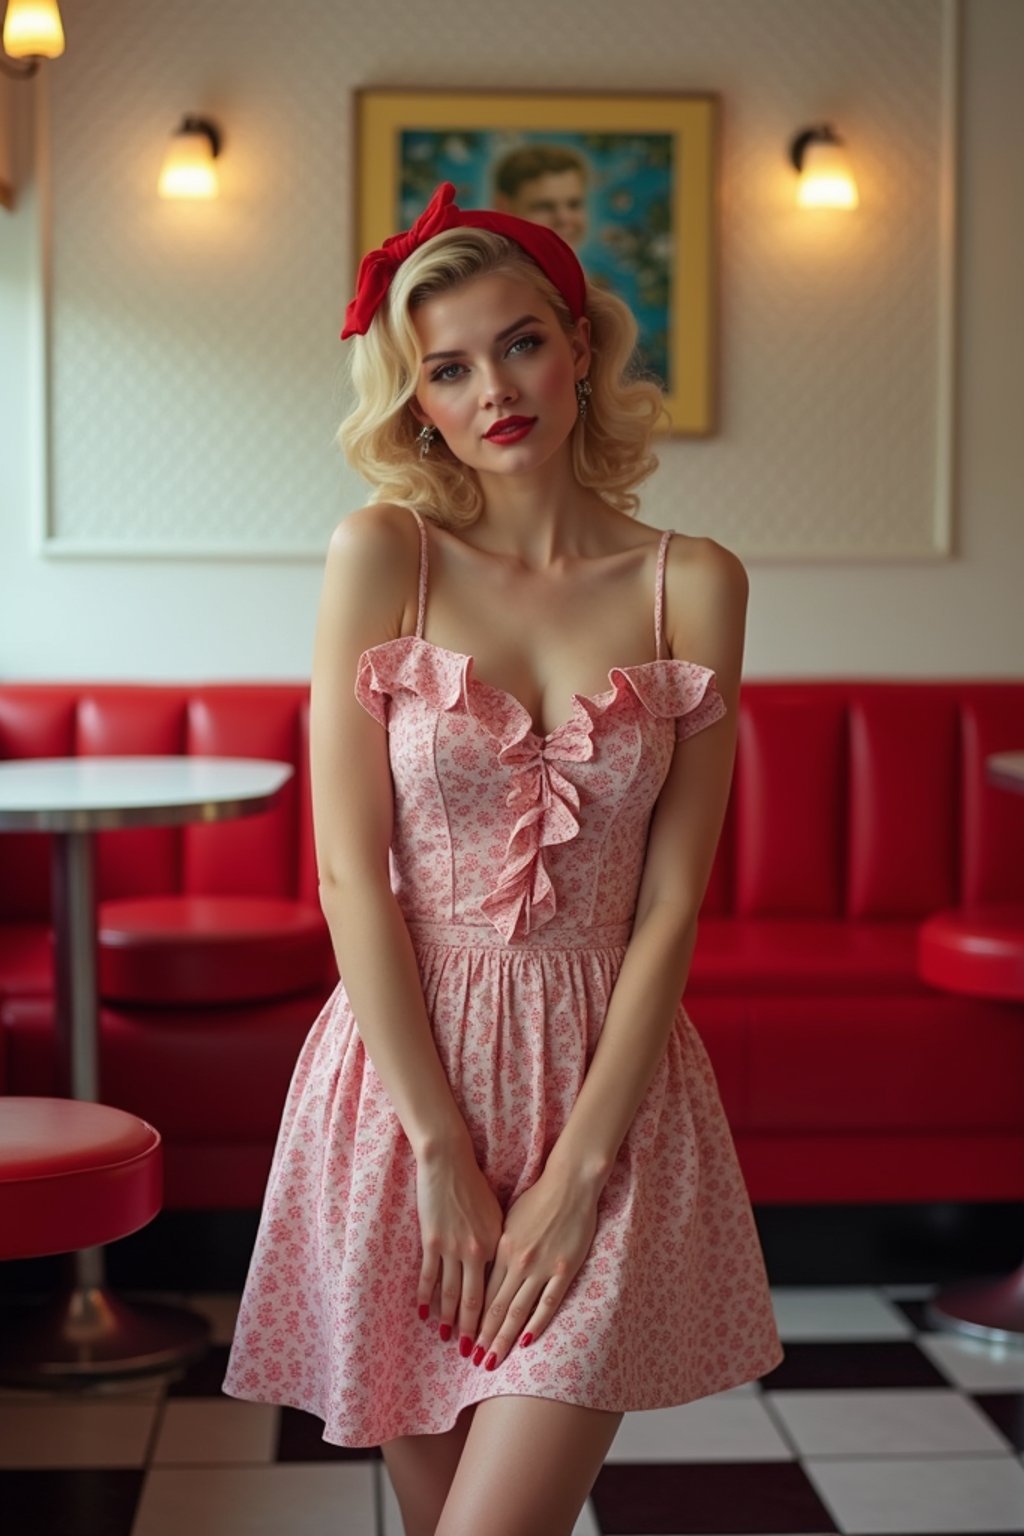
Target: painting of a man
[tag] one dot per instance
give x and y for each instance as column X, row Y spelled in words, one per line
column 608, row 195
column 546, row 183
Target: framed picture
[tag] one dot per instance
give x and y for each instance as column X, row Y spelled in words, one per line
column 628, row 180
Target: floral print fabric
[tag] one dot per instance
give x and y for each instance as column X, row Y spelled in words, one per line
column 516, row 859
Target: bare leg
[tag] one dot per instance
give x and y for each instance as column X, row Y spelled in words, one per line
column 421, row 1468
column 528, row 1465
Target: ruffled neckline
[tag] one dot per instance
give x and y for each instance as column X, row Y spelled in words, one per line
column 545, row 802
column 643, row 678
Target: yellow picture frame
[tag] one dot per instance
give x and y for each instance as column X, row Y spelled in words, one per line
column 666, row 247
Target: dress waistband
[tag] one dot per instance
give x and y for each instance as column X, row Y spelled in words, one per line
column 550, row 936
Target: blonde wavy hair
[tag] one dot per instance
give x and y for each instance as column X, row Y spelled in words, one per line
column 611, row 444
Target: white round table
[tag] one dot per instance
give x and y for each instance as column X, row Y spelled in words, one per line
column 87, row 1332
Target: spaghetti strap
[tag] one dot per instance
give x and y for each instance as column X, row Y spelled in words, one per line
column 421, row 607
column 659, row 590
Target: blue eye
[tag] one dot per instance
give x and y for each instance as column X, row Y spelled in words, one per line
column 444, row 375
column 449, row 372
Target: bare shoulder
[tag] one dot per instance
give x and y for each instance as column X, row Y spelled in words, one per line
column 373, row 536
column 372, row 564
column 706, row 591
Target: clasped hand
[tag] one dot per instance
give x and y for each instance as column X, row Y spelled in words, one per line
column 533, row 1251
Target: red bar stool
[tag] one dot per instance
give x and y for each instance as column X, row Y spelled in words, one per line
column 75, row 1175
column 978, row 950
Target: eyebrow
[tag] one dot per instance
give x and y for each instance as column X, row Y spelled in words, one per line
column 523, row 320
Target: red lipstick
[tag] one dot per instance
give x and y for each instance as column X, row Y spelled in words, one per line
column 511, row 429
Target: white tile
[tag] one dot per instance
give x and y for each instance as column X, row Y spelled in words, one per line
column 725, row 1427
column 973, row 1365
column 221, row 1309
column 303, row 1499
column 75, row 1434
column 194, row 1431
column 896, row 1422
column 745, row 1389
column 837, row 1312
column 953, row 1493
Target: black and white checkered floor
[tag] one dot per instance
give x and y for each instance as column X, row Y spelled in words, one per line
column 873, row 1423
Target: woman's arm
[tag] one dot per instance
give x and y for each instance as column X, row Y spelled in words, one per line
column 711, row 589
column 371, row 570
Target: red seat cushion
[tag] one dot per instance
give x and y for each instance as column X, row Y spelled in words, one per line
column 977, row 949
column 796, row 956
column 74, row 1174
column 210, row 949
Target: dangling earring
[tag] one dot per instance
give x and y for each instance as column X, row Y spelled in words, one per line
column 583, row 394
column 425, row 436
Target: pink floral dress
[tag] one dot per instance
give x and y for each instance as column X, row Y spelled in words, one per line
column 516, row 859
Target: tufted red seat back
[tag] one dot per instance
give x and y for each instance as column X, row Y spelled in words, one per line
column 868, row 800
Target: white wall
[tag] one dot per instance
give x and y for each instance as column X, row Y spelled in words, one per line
column 166, row 618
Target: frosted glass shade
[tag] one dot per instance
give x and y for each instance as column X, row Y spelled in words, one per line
column 33, row 29
column 826, row 180
column 188, row 169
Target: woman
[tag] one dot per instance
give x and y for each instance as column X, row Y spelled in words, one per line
column 522, row 1136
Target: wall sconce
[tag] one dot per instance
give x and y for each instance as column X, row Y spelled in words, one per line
column 826, row 180
column 32, row 30
column 188, row 169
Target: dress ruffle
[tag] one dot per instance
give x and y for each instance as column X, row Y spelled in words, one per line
column 411, row 664
column 545, row 802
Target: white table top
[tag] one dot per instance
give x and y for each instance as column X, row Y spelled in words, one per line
column 1006, row 769
column 81, row 794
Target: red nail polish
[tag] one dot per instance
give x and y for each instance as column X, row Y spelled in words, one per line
column 491, row 1361
column 478, row 1354
column 424, row 1310
column 465, row 1345
column 526, row 1338
column 446, row 1331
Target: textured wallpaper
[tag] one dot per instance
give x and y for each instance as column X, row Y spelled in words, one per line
column 195, row 361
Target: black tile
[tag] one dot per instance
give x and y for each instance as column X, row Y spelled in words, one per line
column 672, row 1499
column 79, row 1501
column 851, row 1364
column 914, row 1311
column 300, row 1438
column 1006, row 1410
column 203, row 1377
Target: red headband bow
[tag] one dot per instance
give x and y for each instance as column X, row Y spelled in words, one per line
column 556, row 259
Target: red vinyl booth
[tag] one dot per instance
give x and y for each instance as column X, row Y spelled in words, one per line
column 858, row 809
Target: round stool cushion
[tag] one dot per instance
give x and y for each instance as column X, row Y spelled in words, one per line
column 979, row 950
column 177, row 950
column 74, row 1174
